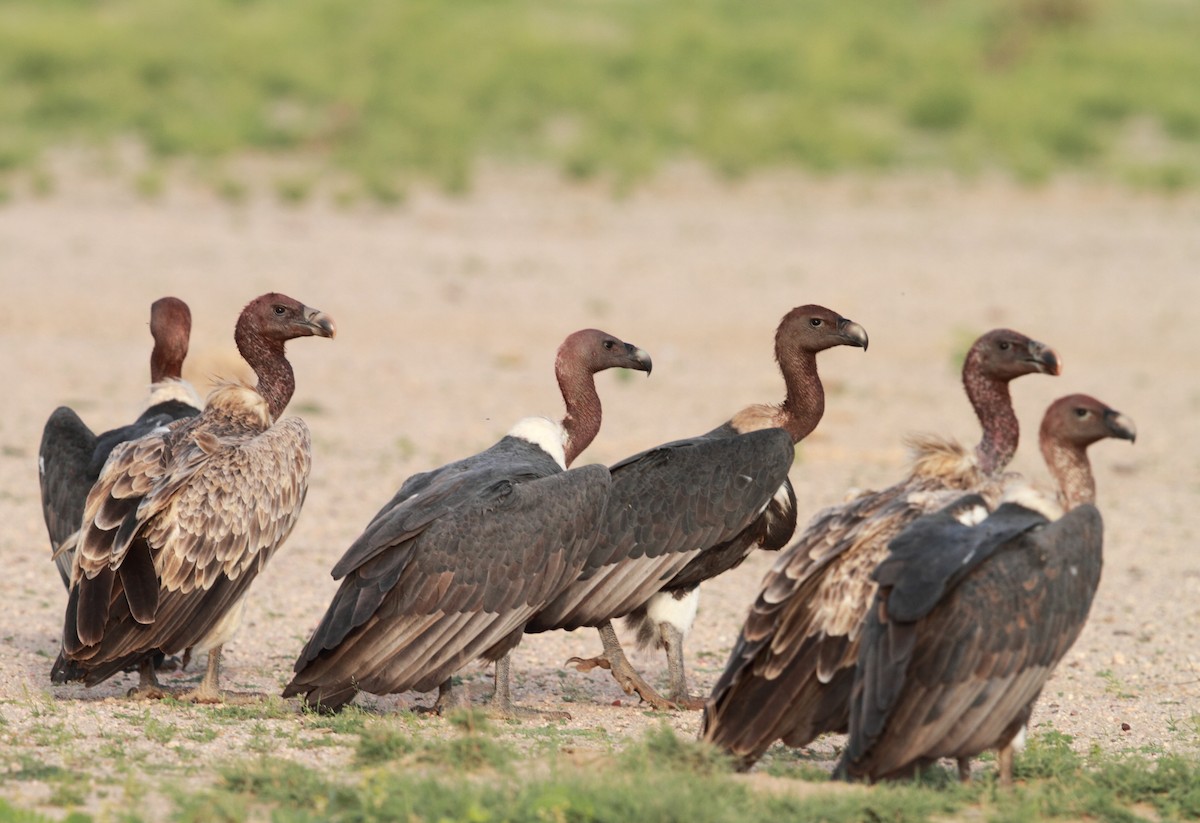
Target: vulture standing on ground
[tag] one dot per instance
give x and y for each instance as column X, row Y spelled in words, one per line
column 790, row 671
column 182, row 520
column 463, row 556
column 973, row 612
column 689, row 510
column 71, row 456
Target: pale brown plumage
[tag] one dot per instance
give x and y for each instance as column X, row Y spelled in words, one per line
column 181, row 521
column 790, row 672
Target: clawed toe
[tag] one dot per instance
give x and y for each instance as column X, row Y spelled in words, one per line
column 586, row 664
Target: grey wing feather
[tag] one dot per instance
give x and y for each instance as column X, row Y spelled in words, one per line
column 667, row 505
column 456, row 589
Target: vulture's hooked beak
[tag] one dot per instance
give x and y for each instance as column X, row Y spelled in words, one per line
column 1044, row 358
column 852, row 333
column 319, row 323
column 1120, row 425
column 639, row 359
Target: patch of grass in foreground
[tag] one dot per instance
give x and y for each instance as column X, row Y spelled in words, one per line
column 383, row 92
column 664, row 777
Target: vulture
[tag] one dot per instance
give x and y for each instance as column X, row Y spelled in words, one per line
column 460, row 559
column 71, row 455
column 791, row 669
column 974, row 611
column 182, row 520
column 687, row 511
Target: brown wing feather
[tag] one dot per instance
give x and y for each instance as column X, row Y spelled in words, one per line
column 209, row 501
column 790, row 672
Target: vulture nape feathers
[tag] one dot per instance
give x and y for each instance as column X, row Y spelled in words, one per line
column 791, row 669
column 181, row 521
column 974, row 611
column 686, row 511
column 71, row 455
column 462, row 557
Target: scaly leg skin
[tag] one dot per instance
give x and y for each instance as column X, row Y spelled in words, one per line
column 502, row 705
column 1005, row 759
column 625, row 674
column 672, row 639
column 207, row 691
column 148, row 687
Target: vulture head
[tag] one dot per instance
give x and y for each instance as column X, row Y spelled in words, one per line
column 1080, row 420
column 814, row 328
column 171, row 328
column 1004, row 354
column 278, row 318
column 590, row 350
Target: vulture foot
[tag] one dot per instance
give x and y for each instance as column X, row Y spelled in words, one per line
column 502, row 706
column 449, row 698
column 627, row 678
column 148, row 687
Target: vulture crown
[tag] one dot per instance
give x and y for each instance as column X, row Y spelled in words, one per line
column 263, row 327
column 580, row 356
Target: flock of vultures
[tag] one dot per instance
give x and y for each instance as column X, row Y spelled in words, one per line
column 923, row 619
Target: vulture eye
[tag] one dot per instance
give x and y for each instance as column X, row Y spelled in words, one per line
column 280, row 311
column 1004, row 345
column 1081, row 412
column 816, row 321
column 608, row 344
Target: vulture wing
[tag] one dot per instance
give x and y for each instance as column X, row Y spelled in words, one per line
column 179, row 524
column 961, row 676
column 791, row 669
column 63, row 458
column 450, row 575
column 667, row 505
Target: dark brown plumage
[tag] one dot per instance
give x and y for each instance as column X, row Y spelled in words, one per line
column 181, row 521
column 71, row 455
column 974, row 611
column 790, row 672
column 463, row 556
column 687, row 511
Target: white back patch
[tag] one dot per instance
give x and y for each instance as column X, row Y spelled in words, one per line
column 544, row 433
column 1026, row 495
column 972, row 516
column 167, row 390
column 664, row 608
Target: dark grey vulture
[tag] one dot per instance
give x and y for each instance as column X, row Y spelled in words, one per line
column 71, row 455
column 973, row 612
column 455, row 565
column 182, row 520
column 689, row 510
column 790, row 671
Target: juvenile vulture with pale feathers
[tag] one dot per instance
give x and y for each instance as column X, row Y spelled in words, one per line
column 71, row 455
column 790, row 671
column 182, row 520
column 454, row 567
column 687, row 511
column 974, row 611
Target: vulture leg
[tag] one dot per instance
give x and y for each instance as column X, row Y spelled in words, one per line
column 964, row 769
column 625, row 674
column 502, row 705
column 448, row 699
column 672, row 639
column 208, row 691
column 1005, row 760
column 148, row 687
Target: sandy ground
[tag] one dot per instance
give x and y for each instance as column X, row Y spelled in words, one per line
column 449, row 313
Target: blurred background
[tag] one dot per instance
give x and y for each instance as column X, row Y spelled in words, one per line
column 360, row 101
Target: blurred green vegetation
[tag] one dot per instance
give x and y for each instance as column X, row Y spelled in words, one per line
column 385, row 92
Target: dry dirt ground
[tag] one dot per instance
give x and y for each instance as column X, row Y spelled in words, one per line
column 449, row 312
